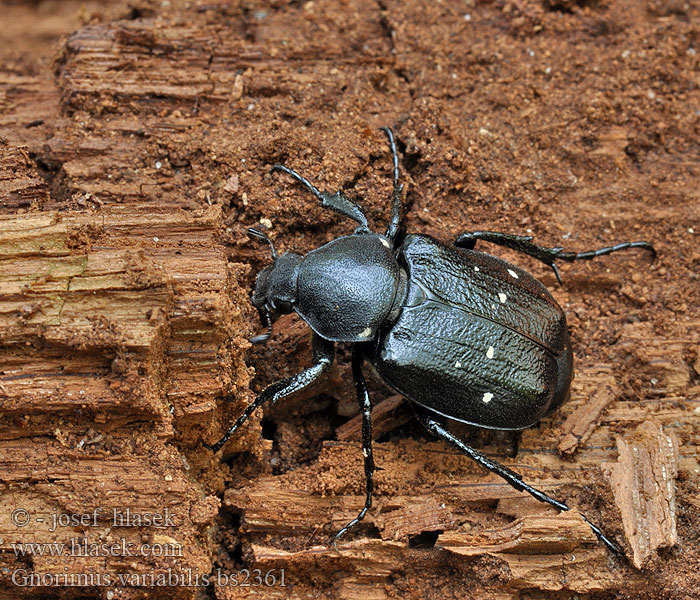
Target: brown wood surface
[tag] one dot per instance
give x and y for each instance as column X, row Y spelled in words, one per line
column 135, row 145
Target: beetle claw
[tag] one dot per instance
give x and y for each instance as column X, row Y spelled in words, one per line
column 337, row 536
column 556, row 273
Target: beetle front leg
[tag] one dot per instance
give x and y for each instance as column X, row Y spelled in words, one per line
column 523, row 243
column 323, row 352
column 366, row 408
column 513, row 478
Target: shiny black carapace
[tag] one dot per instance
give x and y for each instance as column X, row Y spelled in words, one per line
column 461, row 334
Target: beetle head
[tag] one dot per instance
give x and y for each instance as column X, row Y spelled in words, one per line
column 275, row 286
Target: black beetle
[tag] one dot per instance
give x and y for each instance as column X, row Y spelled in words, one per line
column 460, row 333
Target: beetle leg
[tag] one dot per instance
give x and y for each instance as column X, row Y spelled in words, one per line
column 546, row 255
column 323, row 352
column 509, row 475
column 513, row 478
column 366, row 408
column 395, row 222
column 338, row 202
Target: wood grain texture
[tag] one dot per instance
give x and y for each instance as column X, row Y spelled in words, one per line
column 643, row 480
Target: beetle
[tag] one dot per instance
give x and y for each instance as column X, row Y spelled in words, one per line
column 461, row 334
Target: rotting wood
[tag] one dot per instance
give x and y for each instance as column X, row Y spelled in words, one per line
column 643, row 481
column 74, row 287
column 272, row 511
column 405, row 517
column 365, row 562
column 58, row 477
column 111, row 347
column 535, row 534
column 386, row 416
column 661, row 360
column 579, row 425
column 20, row 183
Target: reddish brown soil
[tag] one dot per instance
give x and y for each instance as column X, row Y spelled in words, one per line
column 135, row 146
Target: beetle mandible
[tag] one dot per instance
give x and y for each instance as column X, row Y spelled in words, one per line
column 461, row 334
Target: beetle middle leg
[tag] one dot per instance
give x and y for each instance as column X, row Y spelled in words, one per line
column 513, row 478
column 523, row 243
column 366, row 408
column 323, row 353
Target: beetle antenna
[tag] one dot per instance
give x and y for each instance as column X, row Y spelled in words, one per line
column 256, row 233
column 395, row 223
column 267, row 321
column 337, row 202
column 394, row 156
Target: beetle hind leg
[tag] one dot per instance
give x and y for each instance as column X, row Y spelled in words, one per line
column 366, row 408
column 524, row 244
column 513, row 478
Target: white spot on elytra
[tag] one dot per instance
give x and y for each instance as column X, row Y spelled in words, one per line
column 458, row 364
column 512, row 273
column 502, row 297
column 488, row 396
column 365, row 453
column 489, row 352
column 366, row 332
column 385, row 242
column 476, row 268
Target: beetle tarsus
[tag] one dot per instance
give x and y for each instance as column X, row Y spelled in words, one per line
column 612, row 546
column 513, row 478
column 300, row 178
column 366, row 409
column 556, row 273
column 394, row 154
column 256, row 233
column 524, row 244
column 572, row 256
